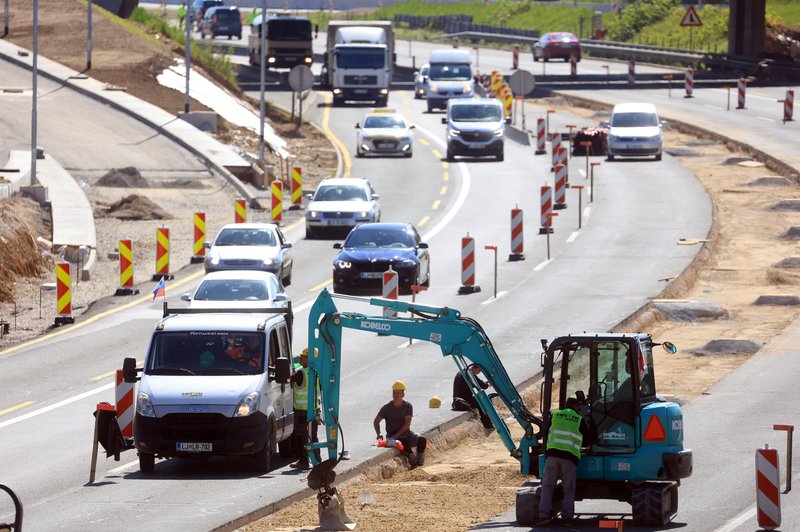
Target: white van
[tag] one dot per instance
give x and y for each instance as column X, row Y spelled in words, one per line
column 215, row 382
column 634, row 130
column 450, row 76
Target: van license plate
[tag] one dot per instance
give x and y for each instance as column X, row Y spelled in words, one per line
column 360, row 91
column 193, row 447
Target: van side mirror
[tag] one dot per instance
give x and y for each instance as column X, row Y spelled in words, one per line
column 358, row 125
column 423, row 245
column 129, row 370
column 337, row 245
column 416, row 73
column 444, row 120
column 207, row 245
column 283, row 370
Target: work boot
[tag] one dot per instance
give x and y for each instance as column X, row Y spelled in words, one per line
column 420, row 459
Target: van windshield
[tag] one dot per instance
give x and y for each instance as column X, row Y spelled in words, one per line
column 206, row 353
column 360, row 57
column 475, row 113
column 281, row 29
column 634, row 120
column 444, row 72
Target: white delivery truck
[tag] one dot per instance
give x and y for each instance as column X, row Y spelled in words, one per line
column 359, row 61
column 450, row 76
column 215, row 382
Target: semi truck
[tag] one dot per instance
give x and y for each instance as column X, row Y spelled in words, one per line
column 359, row 61
column 288, row 41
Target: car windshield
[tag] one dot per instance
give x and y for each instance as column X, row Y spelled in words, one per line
column 227, row 14
column 475, row 113
column 340, row 193
column 245, row 237
column 451, row 73
column 232, row 290
column 206, row 353
column 288, row 29
column 384, row 122
column 379, row 238
column 634, row 120
column 360, row 57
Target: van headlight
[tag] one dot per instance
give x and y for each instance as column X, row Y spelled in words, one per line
column 453, row 132
column 144, row 406
column 248, row 405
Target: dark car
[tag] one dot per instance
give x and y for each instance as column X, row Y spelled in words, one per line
column 371, row 249
column 561, row 45
column 221, row 20
column 199, row 8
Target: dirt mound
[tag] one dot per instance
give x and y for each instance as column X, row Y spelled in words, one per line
column 728, row 347
column 128, row 177
column 136, row 207
column 21, row 221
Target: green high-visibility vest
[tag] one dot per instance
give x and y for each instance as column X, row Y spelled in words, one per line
column 300, row 393
column 565, row 434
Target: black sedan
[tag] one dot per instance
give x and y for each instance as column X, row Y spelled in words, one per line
column 371, row 249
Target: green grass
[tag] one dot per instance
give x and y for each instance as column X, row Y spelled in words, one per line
column 710, row 37
column 204, row 54
column 784, row 11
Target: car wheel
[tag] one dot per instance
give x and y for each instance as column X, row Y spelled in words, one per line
column 658, row 157
column 288, row 279
column 430, row 107
column 450, row 155
column 500, row 154
column 417, row 95
column 407, row 155
column 147, row 462
column 609, row 157
column 309, row 233
column 263, row 458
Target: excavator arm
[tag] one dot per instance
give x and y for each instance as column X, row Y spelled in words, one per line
column 460, row 338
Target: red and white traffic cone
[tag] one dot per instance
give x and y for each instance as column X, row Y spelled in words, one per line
column 546, row 205
column 788, row 106
column 390, row 290
column 517, row 240
column 768, row 498
column 561, row 187
column 689, row 83
column 540, row 138
column 741, row 88
column 124, row 404
column 631, row 72
column 468, row 285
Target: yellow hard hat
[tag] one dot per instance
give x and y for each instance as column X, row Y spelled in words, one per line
column 435, row 402
column 398, row 385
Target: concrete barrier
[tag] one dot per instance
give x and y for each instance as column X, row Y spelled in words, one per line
column 16, row 173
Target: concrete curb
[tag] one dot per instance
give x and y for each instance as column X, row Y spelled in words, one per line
column 517, row 135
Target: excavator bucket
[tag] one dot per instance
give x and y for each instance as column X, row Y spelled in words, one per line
column 331, row 512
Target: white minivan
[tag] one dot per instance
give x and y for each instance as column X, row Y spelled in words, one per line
column 215, row 382
column 450, row 76
column 634, row 131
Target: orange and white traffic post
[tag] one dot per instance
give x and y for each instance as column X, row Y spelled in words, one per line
column 788, row 106
column 198, row 246
column 389, row 290
column 515, row 57
column 297, row 188
column 123, row 401
column 126, row 269
column 631, row 72
column 561, row 187
column 240, row 211
column 277, row 200
column 768, row 498
column 688, row 83
column 546, row 206
column 541, row 148
column 63, row 294
column 741, row 89
column 517, row 236
column 468, row 285
column 162, row 254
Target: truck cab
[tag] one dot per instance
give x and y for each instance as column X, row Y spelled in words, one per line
column 450, row 76
column 214, row 382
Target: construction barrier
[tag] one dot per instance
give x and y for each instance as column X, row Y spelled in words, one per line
column 546, row 205
column 468, row 266
column 517, row 243
column 741, row 88
column 573, row 66
column 63, row 294
column 788, row 106
column 390, row 290
column 497, row 80
column 123, row 393
column 768, row 500
column 540, row 137
column 240, row 211
column 297, row 187
column 125, row 263
column 631, row 72
column 277, row 201
column 507, row 98
column 555, row 148
column 162, row 254
column 688, row 83
column 198, row 249
column 515, row 57
column 561, row 187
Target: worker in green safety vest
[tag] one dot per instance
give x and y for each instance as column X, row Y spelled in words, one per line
column 300, row 403
column 181, row 14
column 563, row 450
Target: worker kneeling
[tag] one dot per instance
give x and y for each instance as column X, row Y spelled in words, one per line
column 398, row 414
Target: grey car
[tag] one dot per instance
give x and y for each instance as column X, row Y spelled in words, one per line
column 251, row 246
column 421, row 81
column 341, row 203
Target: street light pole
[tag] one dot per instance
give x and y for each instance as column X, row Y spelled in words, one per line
column 34, row 179
column 262, row 107
column 189, row 19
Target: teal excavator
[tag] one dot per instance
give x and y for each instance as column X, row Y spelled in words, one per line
column 634, row 450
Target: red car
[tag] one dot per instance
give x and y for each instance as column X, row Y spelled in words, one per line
column 556, row 45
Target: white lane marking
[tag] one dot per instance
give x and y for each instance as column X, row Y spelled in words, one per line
column 122, row 468
column 714, row 106
column 766, row 119
column 493, row 299
column 573, row 236
column 587, row 211
column 738, row 520
column 582, row 172
column 59, row 404
column 541, row 265
column 462, row 194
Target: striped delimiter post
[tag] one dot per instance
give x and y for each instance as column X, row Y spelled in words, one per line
column 468, row 285
column 689, row 83
column 517, row 237
column 545, row 221
column 277, row 201
column 240, row 211
column 768, row 499
column 124, row 403
column 389, row 290
column 741, row 89
column 541, row 147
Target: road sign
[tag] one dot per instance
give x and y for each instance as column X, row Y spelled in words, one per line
column 521, row 82
column 691, row 18
column 300, row 78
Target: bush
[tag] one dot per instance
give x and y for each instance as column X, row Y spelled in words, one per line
column 634, row 17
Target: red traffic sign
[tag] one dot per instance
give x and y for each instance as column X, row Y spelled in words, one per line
column 691, row 18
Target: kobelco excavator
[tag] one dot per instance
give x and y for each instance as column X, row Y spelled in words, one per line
column 634, row 450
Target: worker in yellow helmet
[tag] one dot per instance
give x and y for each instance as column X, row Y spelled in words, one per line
column 398, row 414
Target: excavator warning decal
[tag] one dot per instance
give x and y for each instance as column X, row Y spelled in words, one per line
column 655, row 430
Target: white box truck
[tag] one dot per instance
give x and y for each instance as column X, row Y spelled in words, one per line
column 359, row 61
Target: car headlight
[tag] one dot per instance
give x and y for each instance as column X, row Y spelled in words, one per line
column 363, row 214
column 384, row 91
column 213, row 260
column 433, row 88
column 454, row 132
column 267, row 262
column 343, row 264
column 498, row 133
column 144, row 406
column 313, row 214
column 248, row 405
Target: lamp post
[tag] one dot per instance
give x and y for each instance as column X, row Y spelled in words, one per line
column 35, row 75
column 189, row 18
column 261, row 106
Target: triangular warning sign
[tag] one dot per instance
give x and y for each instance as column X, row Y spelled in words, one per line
column 691, row 18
